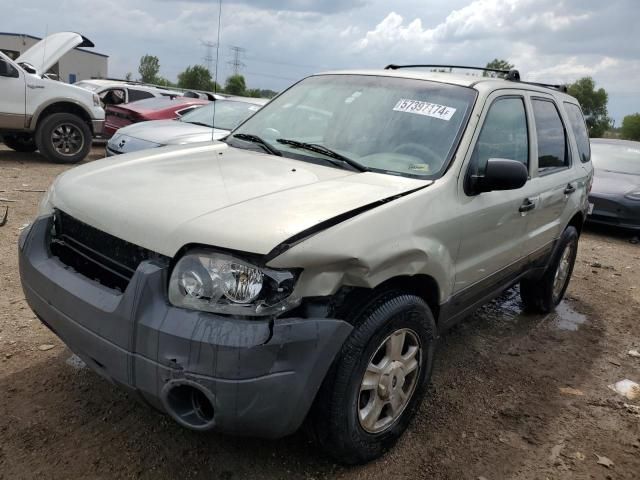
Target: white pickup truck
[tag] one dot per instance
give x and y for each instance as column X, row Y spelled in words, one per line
column 37, row 113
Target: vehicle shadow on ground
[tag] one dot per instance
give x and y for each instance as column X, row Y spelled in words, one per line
column 610, row 232
column 494, row 395
column 36, row 158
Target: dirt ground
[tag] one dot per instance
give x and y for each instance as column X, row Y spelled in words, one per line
column 514, row 396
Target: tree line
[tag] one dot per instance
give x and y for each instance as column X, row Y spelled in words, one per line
column 197, row 77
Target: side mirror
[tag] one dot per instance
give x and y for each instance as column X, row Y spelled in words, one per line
column 500, row 174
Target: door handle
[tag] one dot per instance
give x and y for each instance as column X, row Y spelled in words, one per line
column 570, row 189
column 526, row 205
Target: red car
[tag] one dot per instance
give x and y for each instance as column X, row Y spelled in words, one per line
column 160, row 108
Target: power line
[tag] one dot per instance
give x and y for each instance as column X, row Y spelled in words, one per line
column 236, row 63
column 208, row 58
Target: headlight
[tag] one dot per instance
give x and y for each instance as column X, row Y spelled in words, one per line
column 96, row 101
column 634, row 195
column 219, row 283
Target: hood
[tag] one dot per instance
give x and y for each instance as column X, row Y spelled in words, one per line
column 44, row 54
column 163, row 199
column 171, row 132
column 606, row 182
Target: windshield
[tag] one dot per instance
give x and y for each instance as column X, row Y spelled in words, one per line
column 616, row 157
column 393, row 125
column 228, row 114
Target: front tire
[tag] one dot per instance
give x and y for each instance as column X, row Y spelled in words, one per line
column 64, row 138
column 20, row 142
column 545, row 294
column 378, row 379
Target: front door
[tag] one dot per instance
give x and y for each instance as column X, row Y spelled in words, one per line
column 492, row 225
column 12, row 95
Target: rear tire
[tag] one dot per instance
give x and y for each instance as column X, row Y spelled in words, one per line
column 544, row 294
column 378, row 379
column 20, row 142
column 63, row 138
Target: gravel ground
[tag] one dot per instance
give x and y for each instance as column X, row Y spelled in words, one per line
column 514, row 396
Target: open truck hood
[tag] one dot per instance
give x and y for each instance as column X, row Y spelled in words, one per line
column 209, row 194
column 44, row 54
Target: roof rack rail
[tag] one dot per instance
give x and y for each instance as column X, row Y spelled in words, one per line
column 561, row 88
column 512, row 75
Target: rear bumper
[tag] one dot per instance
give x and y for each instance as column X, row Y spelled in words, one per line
column 261, row 375
column 615, row 210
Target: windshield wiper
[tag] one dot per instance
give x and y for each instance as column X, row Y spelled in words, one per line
column 198, row 123
column 248, row 137
column 315, row 147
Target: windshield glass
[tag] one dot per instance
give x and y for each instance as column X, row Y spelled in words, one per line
column 229, row 114
column 616, row 157
column 393, row 125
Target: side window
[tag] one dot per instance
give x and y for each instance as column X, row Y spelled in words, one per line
column 139, row 95
column 503, row 135
column 7, row 70
column 552, row 141
column 115, row 96
column 579, row 128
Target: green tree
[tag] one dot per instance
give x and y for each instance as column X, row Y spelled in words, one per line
column 594, row 105
column 631, row 127
column 497, row 64
column 197, row 78
column 163, row 82
column 235, row 85
column 128, row 77
column 149, row 68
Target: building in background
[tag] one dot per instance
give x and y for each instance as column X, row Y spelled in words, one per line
column 78, row 64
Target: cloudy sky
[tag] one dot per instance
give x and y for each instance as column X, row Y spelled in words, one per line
column 547, row 40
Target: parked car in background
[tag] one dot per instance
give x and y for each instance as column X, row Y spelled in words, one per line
column 615, row 195
column 38, row 113
column 116, row 92
column 118, row 116
column 211, row 122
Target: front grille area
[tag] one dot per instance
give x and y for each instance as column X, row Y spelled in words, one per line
column 94, row 253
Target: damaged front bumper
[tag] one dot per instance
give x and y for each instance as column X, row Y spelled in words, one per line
column 259, row 377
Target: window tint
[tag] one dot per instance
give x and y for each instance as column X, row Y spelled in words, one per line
column 503, row 135
column 552, row 142
column 579, row 128
column 139, row 95
column 7, row 70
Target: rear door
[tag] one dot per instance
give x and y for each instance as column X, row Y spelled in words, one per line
column 554, row 176
column 12, row 95
column 491, row 224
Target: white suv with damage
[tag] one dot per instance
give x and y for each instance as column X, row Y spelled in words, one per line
column 38, row 113
column 305, row 267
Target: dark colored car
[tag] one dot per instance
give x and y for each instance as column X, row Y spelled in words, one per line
column 118, row 116
column 615, row 196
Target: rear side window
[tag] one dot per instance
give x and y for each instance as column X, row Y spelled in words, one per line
column 552, row 140
column 504, row 135
column 139, row 95
column 579, row 128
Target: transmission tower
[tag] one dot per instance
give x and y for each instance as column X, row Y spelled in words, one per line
column 235, row 62
column 208, row 58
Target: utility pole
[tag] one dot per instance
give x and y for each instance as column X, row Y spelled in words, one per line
column 236, row 63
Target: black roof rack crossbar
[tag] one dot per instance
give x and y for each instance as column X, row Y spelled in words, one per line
column 510, row 74
column 561, row 88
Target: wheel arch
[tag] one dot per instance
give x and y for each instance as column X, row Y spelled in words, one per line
column 421, row 285
column 61, row 106
column 577, row 221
